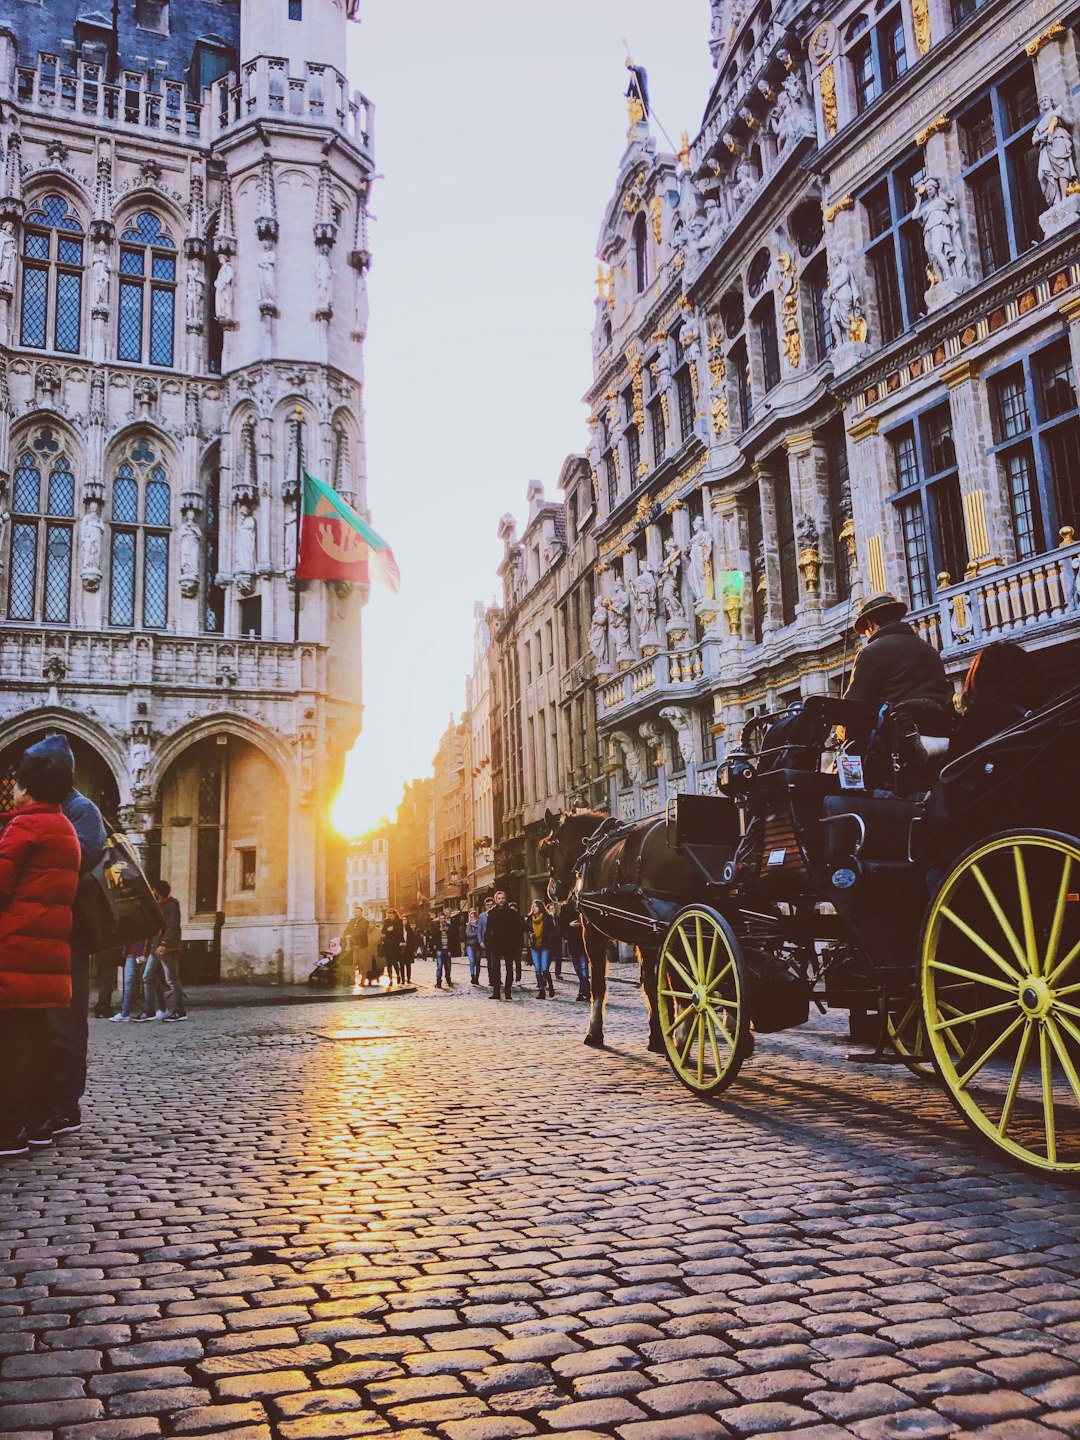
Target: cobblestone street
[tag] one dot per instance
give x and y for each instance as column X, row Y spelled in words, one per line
column 441, row 1219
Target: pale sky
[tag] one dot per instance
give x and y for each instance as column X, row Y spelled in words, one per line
column 499, row 126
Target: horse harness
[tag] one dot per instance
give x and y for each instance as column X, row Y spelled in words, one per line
column 607, row 833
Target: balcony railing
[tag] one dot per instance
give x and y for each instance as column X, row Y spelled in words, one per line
column 1009, row 603
column 88, row 660
column 672, row 671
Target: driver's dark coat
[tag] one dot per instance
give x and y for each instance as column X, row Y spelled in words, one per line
column 896, row 667
column 505, row 933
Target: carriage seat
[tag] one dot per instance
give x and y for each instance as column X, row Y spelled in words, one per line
column 871, row 828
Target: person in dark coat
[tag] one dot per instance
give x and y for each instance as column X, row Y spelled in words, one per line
column 388, row 952
column 163, row 967
column 897, row 667
column 543, row 939
column 574, row 939
column 503, row 940
column 39, row 875
column 409, row 942
column 69, row 1026
column 441, row 940
column 1002, row 685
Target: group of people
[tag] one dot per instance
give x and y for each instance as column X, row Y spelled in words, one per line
column 52, row 837
column 151, row 971
column 498, row 935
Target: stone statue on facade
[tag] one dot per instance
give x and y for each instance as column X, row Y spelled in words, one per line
column 267, row 276
column 680, row 722
column 937, row 213
column 1052, row 137
column 742, row 185
column 643, row 587
column 8, row 252
column 324, row 281
column 669, row 584
column 246, row 537
column 195, row 295
column 699, row 570
column 598, row 634
column 792, row 118
column 846, row 319
column 139, row 757
column 618, row 608
column 633, row 756
column 190, row 550
column 91, row 536
column 223, row 293
column 360, row 306
column 99, row 279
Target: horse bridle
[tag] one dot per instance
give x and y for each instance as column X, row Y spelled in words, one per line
column 591, row 845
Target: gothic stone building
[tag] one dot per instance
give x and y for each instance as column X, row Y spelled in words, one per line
column 836, row 348
column 183, row 297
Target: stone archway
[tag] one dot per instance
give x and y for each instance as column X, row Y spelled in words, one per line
column 92, row 773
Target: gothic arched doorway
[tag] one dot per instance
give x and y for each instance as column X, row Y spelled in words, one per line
column 92, row 775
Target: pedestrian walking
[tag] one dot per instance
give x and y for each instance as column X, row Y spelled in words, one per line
column 409, row 942
column 574, row 937
column 542, row 937
column 39, row 875
column 107, row 963
column 557, row 943
column 441, row 937
column 161, row 979
column 472, row 946
column 69, row 1025
column 503, row 940
column 388, row 950
column 134, row 959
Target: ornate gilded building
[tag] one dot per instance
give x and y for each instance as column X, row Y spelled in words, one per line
column 835, row 351
column 183, row 255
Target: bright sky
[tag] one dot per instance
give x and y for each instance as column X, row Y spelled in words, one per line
column 499, row 128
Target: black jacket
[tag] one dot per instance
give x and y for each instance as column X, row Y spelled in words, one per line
column 505, row 933
column 896, row 667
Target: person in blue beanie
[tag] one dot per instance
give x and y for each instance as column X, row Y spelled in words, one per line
column 68, row 1028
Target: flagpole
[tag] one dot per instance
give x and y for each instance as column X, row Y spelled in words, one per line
column 299, row 520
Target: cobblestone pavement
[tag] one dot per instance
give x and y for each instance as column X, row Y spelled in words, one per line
column 442, row 1219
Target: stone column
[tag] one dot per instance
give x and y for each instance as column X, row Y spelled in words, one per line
column 1071, row 311
column 810, row 519
column 987, row 524
column 880, row 565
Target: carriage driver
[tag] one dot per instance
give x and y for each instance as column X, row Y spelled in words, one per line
column 897, row 667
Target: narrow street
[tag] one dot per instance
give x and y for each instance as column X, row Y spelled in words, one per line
column 440, row 1217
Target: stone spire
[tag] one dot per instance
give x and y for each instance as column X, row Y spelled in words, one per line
column 225, row 239
column 266, row 222
column 102, row 229
column 325, row 224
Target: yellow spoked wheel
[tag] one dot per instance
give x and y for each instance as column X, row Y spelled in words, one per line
column 1001, row 994
column 701, row 998
column 906, row 1027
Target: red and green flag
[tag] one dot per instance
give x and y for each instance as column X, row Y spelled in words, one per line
column 338, row 544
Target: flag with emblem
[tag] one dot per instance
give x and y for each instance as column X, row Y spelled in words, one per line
column 338, row 544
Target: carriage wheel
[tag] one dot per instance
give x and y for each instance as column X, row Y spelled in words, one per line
column 701, row 998
column 1003, row 933
column 906, row 1027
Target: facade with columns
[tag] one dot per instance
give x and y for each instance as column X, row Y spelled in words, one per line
column 836, row 351
column 183, row 259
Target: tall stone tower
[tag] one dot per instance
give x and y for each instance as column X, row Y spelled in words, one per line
column 183, row 258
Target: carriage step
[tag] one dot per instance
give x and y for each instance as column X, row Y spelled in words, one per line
column 872, row 1057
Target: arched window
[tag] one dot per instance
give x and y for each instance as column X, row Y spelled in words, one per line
column 641, row 253
column 42, row 526
column 141, row 515
column 147, row 292
column 53, row 248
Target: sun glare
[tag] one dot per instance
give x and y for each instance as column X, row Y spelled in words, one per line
column 368, row 796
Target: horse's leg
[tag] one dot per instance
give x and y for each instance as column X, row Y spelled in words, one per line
column 596, row 950
column 647, row 960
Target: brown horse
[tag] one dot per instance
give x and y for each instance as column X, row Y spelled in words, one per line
column 627, row 881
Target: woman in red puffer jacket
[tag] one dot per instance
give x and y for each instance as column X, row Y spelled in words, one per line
column 39, row 874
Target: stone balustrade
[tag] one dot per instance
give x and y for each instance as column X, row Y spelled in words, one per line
column 320, row 95
column 667, row 673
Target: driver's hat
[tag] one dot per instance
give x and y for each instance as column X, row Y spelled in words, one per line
column 879, row 609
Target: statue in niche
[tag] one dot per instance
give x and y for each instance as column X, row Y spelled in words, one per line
column 792, row 118
column 1052, row 137
column 190, row 550
column 223, row 292
column 92, row 534
column 598, row 633
column 139, row 758
column 267, row 274
column 643, row 587
column 699, row 570
column 936, row 211
column 679, row 721
column 324, row 280
column 8, row 252
column 99, row 279
column 194, row 295
column 618, row 608
column 246, row 535
column 633, row 757
column 669, row 584
column 742, row 186
column 846, row 319
column 360, row 306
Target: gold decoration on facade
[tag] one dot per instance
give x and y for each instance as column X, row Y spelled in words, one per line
column 936, row 126
column 635, row 111
column 679, row 261
column 657, row 219
column 831, row 211
column 810, row 565
column 847, row 539
column 594, row 481
column 633, row 196
column 787, row 287
column 642, row 469
column 721, row 420
column 857, row 328
column 875, row 563
column 1067, row 535
column 829, row 109
column 684, row 150
column 641, row 510
column 664, row 410
column 605, row 284
column 920, row 20
column 732, row 144
column 733, row 611
column 1056, row 32
column 637, row 366
column 1073, row 187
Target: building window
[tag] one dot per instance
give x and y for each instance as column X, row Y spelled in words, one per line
column 248, row 869
column 962, row 10
column 756, row 541
column 141, row 518
column 251, row 617
column 895, row 252
column 787, row 550
column 708, row 739
column 208, row 828
column 52, row 277
column 152, row 15
column 817, row 284
column 1001, row 169
column 768, row 347
column 878, row 58
column 684, row 393
column 42, row 532
column 740, row 364
column 641, row 254
column 834, row 442
column 928, row 504
column 659, row 433
column 296, row 9
column 147, row 292
column 214, row 604
column 1037, row 442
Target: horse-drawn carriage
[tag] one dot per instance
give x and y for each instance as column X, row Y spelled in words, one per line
column 822, row 877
